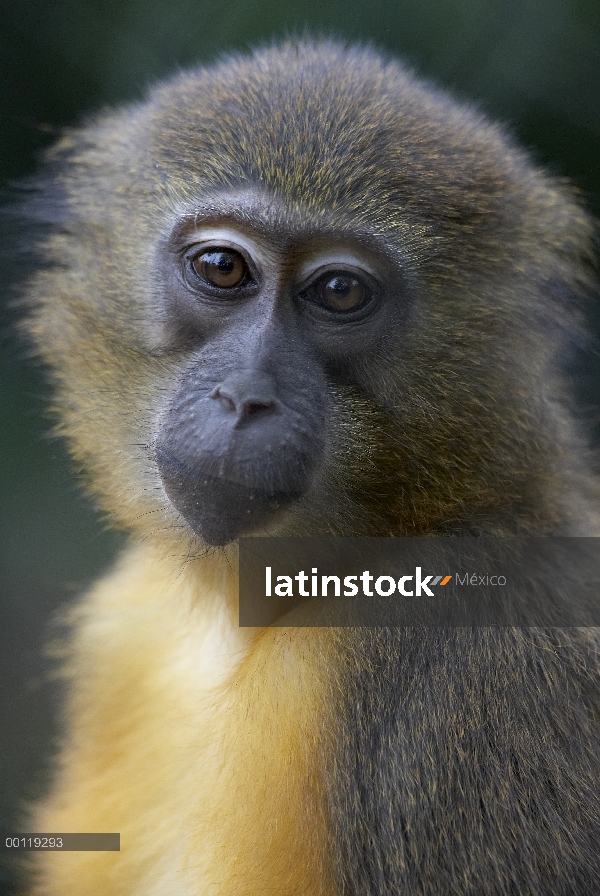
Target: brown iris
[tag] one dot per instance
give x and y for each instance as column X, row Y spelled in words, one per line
column 223, row 268
column 341, row 292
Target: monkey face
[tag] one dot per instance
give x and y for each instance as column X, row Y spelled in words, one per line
column 272, row 319
column 303, row 292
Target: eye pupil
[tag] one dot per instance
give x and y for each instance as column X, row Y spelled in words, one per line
column 223, row 268
column 342, row 292
column 341, row 286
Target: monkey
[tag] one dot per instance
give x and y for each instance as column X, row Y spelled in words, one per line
column 303, row 292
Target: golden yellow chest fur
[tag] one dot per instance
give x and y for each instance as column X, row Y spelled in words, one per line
column 196, row 740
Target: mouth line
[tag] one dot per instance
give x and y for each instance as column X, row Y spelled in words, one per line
column 218, row 509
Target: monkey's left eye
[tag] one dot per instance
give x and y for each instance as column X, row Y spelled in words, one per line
column 221, row 267
column 340, row 291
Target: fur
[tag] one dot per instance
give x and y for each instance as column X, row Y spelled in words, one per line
column 323, row 762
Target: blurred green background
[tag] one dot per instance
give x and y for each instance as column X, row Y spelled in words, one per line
column 532, row 63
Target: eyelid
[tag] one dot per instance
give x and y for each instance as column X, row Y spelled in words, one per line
column 341, row 261
column 194, row 250
column 225, row 238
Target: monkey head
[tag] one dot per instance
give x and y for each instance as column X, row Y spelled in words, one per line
column 304, row 292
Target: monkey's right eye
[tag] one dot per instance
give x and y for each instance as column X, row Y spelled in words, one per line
column 220, row 267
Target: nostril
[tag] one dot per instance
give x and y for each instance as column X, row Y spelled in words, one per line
column 253, row 408
column 247, row 396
